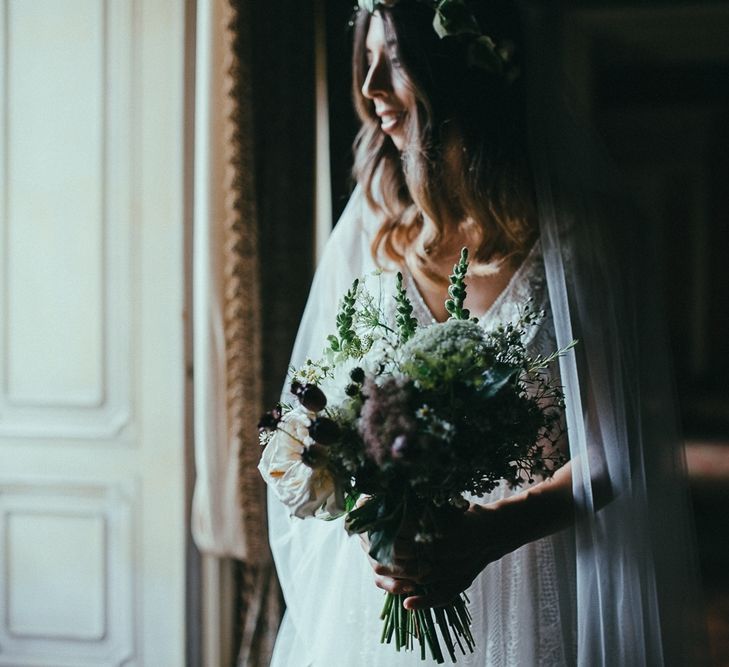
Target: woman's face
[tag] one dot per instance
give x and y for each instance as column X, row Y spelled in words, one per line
column 386, row 84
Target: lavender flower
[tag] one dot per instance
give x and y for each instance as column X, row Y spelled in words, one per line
column 386, row 416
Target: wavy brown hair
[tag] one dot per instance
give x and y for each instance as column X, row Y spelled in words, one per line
column 465, row 165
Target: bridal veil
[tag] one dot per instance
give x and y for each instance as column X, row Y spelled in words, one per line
column 637, row 586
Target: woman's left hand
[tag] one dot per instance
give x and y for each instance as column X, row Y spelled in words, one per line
column 470, row 540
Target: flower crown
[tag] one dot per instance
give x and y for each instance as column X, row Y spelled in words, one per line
column 453, row 18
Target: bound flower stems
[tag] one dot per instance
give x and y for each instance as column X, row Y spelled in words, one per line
column 428, row 627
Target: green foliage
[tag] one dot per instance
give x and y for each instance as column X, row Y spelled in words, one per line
column 311, row 372
column 361, row 321
column 437, row 355
column 406, row 323
column 454, row 20
column 348, row 343
column 457, row 289
column 540, row 362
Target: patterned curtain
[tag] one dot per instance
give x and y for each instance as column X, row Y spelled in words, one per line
column 268, row 262
column 259, row 605
column 253, row 261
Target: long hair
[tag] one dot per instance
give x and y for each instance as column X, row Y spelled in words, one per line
column 464, row 166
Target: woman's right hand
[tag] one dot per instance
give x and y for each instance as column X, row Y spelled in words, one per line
column 438, row 571
column 409, row 569
column 404, row 575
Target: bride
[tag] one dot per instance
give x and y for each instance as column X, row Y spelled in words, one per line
column 457, row 149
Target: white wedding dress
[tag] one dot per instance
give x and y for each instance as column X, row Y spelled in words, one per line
column 523, row 606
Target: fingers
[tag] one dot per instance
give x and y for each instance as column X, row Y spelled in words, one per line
column 395, row 586
column 417, row 571
column 437, row 596
column 403, row 567
column 397, row 570
column 361, row 500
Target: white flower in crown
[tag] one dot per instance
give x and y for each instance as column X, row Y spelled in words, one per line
column 294, row 466
column 371, row 5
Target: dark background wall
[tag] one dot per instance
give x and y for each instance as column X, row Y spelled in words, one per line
column 343, row 121
column 654, row 80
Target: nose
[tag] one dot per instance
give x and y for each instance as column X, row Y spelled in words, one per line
column 377, row 82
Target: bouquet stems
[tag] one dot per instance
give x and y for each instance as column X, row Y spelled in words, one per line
column 450, row 624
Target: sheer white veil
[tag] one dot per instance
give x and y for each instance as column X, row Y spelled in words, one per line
column 637, row 584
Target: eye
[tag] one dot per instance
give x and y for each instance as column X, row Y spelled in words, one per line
column 393, row 54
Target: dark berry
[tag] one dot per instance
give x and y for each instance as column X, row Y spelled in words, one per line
column 324, row 431
column 312, row 398
column 296, row 387
column 269, row 421
column 357, row 375
column 352, row 389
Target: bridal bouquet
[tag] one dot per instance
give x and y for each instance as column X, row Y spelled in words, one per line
column 397, row 422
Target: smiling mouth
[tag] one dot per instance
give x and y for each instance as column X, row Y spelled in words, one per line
column 390, row 120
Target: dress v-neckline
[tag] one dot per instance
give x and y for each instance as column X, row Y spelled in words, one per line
column 521, row 269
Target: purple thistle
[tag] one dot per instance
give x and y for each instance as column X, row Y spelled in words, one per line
column 387, row 417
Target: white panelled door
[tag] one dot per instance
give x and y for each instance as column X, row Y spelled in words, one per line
column 92, row 483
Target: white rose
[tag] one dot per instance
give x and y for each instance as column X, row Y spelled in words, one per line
column 305, row 491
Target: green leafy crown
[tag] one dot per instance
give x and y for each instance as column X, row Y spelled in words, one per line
column 453, row 18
